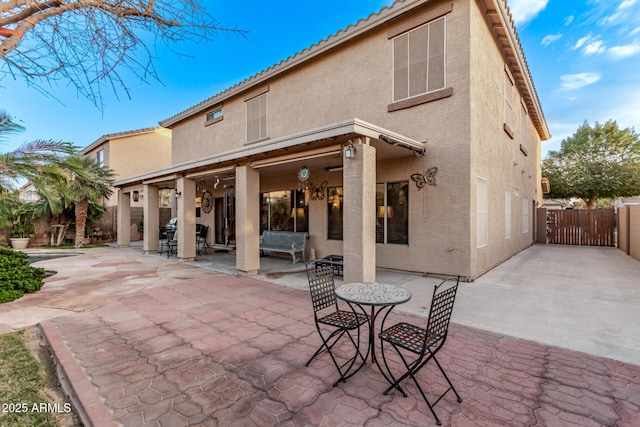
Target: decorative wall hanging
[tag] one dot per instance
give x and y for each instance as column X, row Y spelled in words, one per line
column 428, row 178
column 317, row 193
column 206, row 202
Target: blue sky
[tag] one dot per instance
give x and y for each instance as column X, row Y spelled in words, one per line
column 583, row 56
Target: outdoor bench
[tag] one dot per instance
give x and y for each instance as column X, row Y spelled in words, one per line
column 289, row 242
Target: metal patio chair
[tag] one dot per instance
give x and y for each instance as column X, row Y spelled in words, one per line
column 327, row 313
column 424, row 343
column 201, row 238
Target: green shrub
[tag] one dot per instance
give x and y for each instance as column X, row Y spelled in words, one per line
column 17, row 277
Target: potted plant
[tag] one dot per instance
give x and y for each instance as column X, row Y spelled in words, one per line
column 22, row 226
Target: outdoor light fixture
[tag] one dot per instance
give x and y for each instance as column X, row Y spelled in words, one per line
column 350, row 151
column 136, row 195
column 178, row 193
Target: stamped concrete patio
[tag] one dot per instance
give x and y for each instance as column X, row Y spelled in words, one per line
column 172, row 344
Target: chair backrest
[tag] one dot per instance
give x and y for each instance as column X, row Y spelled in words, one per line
column 322, row 287
column 203, row 231
column 444, row 295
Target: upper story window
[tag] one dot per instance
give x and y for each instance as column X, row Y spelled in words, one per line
column 100, row 158
column 213, row 116
column 257, row 118
column 419, row 60
column 509, row 90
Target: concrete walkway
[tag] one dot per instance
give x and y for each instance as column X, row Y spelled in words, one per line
column 151, row 342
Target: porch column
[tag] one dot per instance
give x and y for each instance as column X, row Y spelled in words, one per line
column 247, row 220
column 151, row 219
column 124, row 219
column 186, row 219
column 359, row 237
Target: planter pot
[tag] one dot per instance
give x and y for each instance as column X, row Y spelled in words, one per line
column 19, row 242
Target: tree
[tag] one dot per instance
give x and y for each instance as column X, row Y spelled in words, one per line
column 37, row 162
column 88, row 183
column 598, row 161
column 91, row 42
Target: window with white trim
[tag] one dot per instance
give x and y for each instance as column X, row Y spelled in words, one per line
column 419, row 60
column 257, row 118
column 482, row 212
column 507, row 214
column 100, row 158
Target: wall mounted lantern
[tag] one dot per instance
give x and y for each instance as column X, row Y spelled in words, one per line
column 136, row 195
column 350, row 151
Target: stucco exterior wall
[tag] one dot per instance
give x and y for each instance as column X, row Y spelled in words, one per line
column 356, row 81
column 496, row 157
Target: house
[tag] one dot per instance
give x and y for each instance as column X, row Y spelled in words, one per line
column 130, row 153
column 28, row 193
column 410, row 140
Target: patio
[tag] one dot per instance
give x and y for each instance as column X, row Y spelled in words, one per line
column 202, row 347
column 231, row 351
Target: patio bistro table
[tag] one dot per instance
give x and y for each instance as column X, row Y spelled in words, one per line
column 376, row 295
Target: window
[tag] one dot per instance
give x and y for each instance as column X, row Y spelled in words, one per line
column 284, row 210
column 335, row 199
column 213, row 116
column 392, row 213
column 523, row 130
column 525, row 215
column 100, row 158
column 507, row 214
column 508, row 103
column 419, row 61
column 482, row 212
column 257, row 118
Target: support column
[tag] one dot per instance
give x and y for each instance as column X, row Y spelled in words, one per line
column 359, row 237
column 124, row 219
column 247, row 220
column 186, row 219
column 151, row 219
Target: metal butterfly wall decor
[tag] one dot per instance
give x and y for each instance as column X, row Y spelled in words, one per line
column 429, row 177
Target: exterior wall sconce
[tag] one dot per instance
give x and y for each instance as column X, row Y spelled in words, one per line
column 178, row 193
column 136, row 195
column 350, row 151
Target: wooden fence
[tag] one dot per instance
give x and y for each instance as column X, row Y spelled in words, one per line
column 586, row 227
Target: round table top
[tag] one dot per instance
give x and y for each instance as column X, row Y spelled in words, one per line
column 373, row 293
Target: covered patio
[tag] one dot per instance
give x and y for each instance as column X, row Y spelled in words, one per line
column 352, row 147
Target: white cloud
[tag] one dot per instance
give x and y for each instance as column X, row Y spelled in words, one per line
column 595, row 48
column 590, row 44
column 576, row 81
column 547, row 40
column 568, row 20
column 525, row 10
column 627, row 3
column 635, row 31
column 624, row 51
column 582, row 41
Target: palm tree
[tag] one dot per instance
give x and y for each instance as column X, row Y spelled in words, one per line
column 38, row 162
column 88, row 182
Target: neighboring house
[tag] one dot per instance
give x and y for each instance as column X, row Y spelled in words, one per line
column 28, row 193
column 129, row 154
column 410, row 140
column 556, row 204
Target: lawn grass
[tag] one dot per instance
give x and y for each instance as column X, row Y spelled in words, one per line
column 27, row 389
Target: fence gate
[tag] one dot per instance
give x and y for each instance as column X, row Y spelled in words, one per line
column 586, row 227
